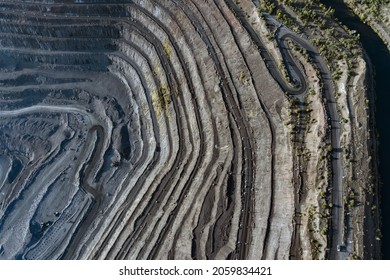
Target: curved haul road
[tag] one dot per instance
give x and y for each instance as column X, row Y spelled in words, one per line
column 336, row 233
column 283, row 34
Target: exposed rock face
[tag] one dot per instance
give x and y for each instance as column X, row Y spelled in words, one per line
column 153, row 130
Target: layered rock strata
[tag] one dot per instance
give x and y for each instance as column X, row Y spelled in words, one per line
column 158, row 130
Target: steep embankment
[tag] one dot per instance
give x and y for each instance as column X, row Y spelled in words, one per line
column 375, row 13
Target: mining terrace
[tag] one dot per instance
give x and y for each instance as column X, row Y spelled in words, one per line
column 181, row 129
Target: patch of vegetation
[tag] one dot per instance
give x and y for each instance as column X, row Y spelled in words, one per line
column 161, row 99
column 244, row 79
column 167, row 49
column 373, row 7
column 316, row 246
column 268, row 6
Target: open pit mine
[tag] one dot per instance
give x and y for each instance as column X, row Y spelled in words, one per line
column 179, row 129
